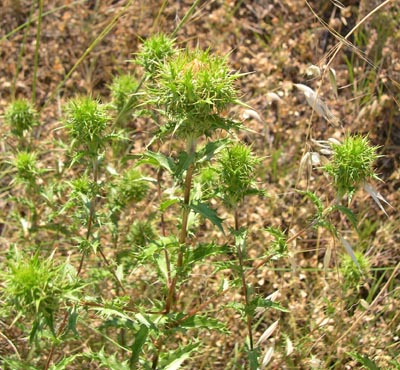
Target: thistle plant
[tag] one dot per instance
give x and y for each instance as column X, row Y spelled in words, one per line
column 124, row 98
column 87, row 122
column 237, row 174
column 353, row 274
column 351, row 165
column 237, row 168
column 21, row 116
column 36, row 289
column 27, row 169
column 191, row 88
column 141, row 233
column 153, row 52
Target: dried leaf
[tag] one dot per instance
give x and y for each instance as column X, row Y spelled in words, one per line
column 267, row 333
column 376, row 196
column 250, row 113
column 332, row 80
column 267, row 357
column 289, row 346
column 327, row 258
column 349, row 250
column 316, row 103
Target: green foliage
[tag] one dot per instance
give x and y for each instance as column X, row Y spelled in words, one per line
column 193, row 88
column 87, row 122
column 142, row 296
column 237, row 174
column 354, row 275
column 122, row 88
column 365, row 361
column 154, row 52
column 141, row 233
column 27, row 168
column 129, row 188
column 36, row 288
column 21, row 116
column 351, row 164
column 124, row 96
column 279, row 246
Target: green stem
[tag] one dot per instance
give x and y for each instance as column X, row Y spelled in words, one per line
column 163, row 228
column 244, row 283
column 171, row 297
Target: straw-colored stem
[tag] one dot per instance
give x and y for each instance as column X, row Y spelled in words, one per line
column 37, row 48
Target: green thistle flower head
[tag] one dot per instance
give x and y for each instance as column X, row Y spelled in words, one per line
column 36, row 287
column 351, row 164
column 194, row 88
column 141, row 233
column 26, row 166
column 154, row 51
column 237, row 168
column 87, row 121
column 21, row 116
column 130, row 188
column 122, row 88
column 353, row 275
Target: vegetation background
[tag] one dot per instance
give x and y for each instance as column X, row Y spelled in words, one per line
column 331, row 320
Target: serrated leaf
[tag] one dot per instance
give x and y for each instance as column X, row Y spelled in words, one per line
column 365, row 361
column 184, row 161
column 140, row 340
column 348, row 213
column 110, row 361
column 202, row 251
column 157, row 160
column 315, row 200
column 205, row 322
column 62, row 365
column 168, row 203
column 207, row 153
column 208, row 213
column 179, row 356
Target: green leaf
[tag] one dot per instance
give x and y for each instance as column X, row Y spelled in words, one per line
column 72, row 320
column 264, row 303
column 208, row 213
column 348, row 213
column 253, row 359
column 365, row 361
column 179, row 356
column 140, row 340
column 168, row 203
column 157, row 160
column 205, row 323
column 110, row 362
column 208, row 151
column 316, row 201
column 202, row 251
column 62, row 365
column 184, row 161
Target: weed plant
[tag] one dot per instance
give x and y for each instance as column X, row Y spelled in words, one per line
column 134, row 230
